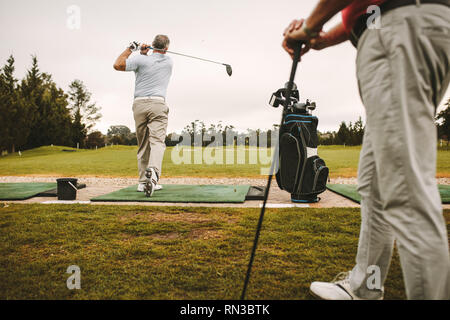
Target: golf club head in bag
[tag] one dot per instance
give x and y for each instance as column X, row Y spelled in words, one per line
column 301, row 172
column 279, row 97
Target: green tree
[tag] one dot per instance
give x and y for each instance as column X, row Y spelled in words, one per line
column 14, row 121
column 32, row 91
column 47, row 109
column 343, row 134
column 132, row 139
column 54, row 125
column 193, row 129
column 327, row 138
column 169, row 140
column 95, row 139
column 118, row 131
column 120, row 135
column 443, row 122
column 84, row 113
column 226, row 129
column 357, row 132
column 79, row 130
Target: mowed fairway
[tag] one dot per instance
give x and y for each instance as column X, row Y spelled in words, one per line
column 120, row 161
column 140, row 252
column 134, row 252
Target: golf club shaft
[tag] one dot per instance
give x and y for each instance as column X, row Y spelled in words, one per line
column 297, row 51
column 188, row 56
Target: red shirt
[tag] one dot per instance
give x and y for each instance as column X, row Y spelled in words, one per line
column 356, row 9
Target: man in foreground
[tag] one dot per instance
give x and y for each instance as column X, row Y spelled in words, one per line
column 403, row 70
column 149, row 108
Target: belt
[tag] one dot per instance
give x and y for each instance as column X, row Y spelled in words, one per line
column 361, row 23
column 152, row 97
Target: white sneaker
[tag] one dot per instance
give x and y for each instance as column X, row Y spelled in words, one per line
column 141, row 187
column 152, row 181
column 338, row 289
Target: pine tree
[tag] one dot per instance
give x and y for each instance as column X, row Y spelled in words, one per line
column 5, row 124
column 343, row 134
column 32, row 91
column 80, row 102
column 358, row 132
column 47, row 108
column 79, row 131
column 14, row 120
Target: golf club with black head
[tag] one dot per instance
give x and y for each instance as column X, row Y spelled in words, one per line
column 297, row 51
column 227, row 66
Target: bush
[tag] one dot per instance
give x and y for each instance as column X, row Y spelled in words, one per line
column 95, row 139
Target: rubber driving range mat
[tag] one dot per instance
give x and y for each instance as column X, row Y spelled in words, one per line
column 349, row 191
column 24, row 190
column 181, row 193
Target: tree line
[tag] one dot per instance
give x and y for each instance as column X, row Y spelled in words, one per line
column 35, row 112
column 347, row 134
column 350, row 134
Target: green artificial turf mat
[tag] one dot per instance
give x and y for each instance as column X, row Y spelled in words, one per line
column 23, row 191
column 444, row 190
column 181, row 193
column 349, row 191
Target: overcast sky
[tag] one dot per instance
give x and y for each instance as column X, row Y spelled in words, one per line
column 244, row 33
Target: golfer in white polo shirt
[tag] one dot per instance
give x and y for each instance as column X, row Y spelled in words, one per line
column 149, row 108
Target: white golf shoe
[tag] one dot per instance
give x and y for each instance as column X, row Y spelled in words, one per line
column 338, row 289
column 141, row 187
column 152, row 181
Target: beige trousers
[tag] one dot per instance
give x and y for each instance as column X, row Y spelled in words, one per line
column 151, row 118
column 403, row 72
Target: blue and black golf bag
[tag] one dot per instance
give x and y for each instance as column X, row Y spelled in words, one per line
column 301, row 172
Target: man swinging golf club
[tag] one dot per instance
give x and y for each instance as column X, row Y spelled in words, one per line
column 149, row 108
column 403, row 70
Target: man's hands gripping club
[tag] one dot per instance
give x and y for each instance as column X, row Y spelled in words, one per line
column 121, row 61
column 310, row 30
column 297, row 31
column 134, row 46
column 145, row 48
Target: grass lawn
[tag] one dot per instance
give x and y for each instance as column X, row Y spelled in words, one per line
column 120, row 161
column 134, row 252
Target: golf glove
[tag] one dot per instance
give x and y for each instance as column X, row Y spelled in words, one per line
column 134, row 46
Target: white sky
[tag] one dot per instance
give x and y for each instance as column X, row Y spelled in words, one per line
column 244, row 33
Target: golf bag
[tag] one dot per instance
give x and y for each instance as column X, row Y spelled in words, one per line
column 301, row 172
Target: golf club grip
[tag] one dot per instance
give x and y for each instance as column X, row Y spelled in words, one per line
column 297, row 51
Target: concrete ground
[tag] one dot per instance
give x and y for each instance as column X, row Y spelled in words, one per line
column 277, row 198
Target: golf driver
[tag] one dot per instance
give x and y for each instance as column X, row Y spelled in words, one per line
column 290, row 85
column 227, row 66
